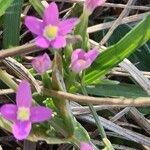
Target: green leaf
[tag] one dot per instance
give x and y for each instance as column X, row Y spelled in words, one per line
column 111, row 57
column 123, row 90
column 4, row 4
column 140, row 58
column 12, row 24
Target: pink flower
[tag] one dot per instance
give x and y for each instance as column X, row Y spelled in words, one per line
column 23, row 114
column 92, row 4
column 86, row 146
column 50, row 31
column 41, row 63
column 81, row 60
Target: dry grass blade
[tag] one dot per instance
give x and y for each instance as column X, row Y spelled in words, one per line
column 125, row 20
column 116, row 23
column 108, row 4
column 120, row 114
column 115, row 146
column 28, row 145
column 133, row 136
column 21, row 72
column 136, row 75
column 140, row 119
column 6, row 91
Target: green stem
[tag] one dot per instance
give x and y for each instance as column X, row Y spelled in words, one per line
column 37, row 6
column 97, row 120
column 5, row 77
column 98, row 123
column 81, row 29
column 46, row 80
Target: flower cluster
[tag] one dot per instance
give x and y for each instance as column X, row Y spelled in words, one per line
column 51, row 33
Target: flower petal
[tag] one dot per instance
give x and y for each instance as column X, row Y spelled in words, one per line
column 24, row 95
column 42, row 42
column 21, row 129
column 80, row 65
column 59, row 42
column 51, row 14
column 92, row 54
column 40, row 113
column 77, row 54
column 9, row 111
column 85, row 146
column 67, row 25
column 92, row 4
column 34, row 24
column 42, row 63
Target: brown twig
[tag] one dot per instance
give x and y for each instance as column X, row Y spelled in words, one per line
column 27, row 48
column 141, row 101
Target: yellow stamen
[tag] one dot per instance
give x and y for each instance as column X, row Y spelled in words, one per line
column 23, row 114
column 50, row 32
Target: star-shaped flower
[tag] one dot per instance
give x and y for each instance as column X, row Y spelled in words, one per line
column 50, row 31
column 23, row 114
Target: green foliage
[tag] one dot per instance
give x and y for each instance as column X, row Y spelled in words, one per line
column 140, row 58
column 12, row 24
column 4, row 4
column 113, row 55
column 123, row 90
column 37, row 6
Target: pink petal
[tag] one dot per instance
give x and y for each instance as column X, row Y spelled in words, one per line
column 59, row 42
column 92, row 54
column 9, row 111
column 24, row 95
column 42, row 42
column 51, row 14
column 92, row 4
column 40, row 113
column 67, row 25
column 77, row 66
column 21, row 129
column 42, row 63
column 34, row 24
column 77, row 54
column 86, row 146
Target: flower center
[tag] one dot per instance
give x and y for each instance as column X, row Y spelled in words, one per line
column 50, row 32
column 23, row 114
column 81, row 61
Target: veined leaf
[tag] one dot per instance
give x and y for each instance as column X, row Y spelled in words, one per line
column 140, row 58
column 123, row 90
column 12, row 24
column 138, row 36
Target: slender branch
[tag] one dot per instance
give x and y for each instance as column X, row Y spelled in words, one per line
column 27, row 48
column 121, row 101
column 117, row 102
